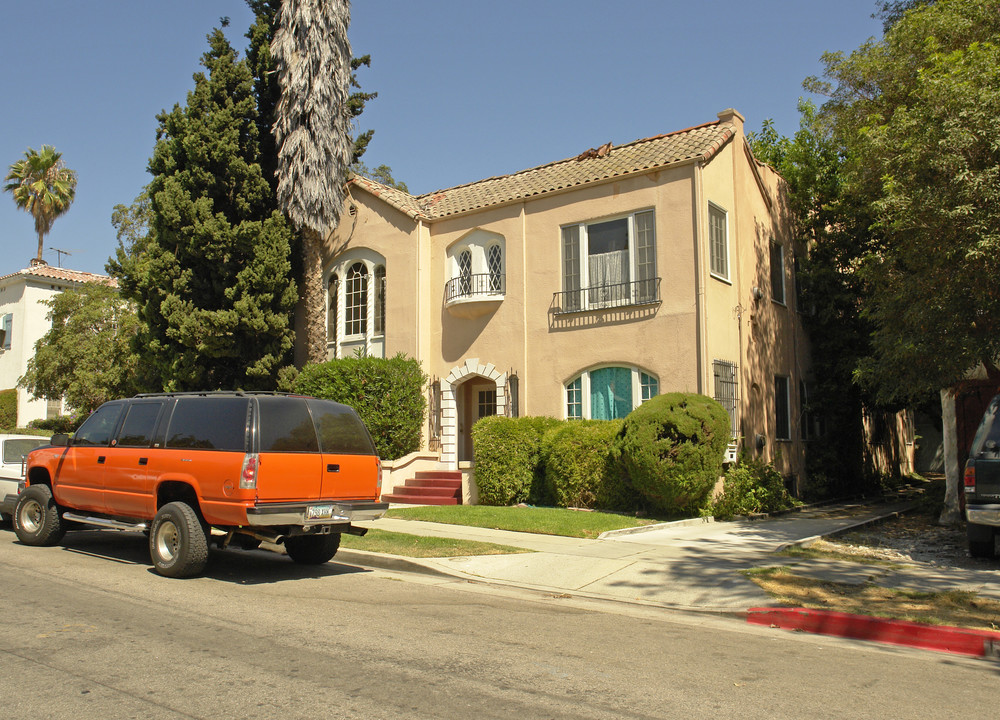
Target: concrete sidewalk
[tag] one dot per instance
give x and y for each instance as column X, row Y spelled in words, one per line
column 690, row 565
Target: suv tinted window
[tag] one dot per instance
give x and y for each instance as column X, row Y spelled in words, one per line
column 989, row 430
column 140, row 421
column 100, row 426
column 286, row 426
column 209, row 423
column 339, row 428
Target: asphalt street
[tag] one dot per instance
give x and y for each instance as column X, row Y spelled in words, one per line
column 89, row 631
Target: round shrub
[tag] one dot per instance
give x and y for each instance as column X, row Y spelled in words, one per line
column 751, row 487
column 580, row 470
column 672, row 448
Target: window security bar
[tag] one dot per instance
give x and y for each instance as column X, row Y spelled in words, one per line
column 465, row 286
column 600, row 297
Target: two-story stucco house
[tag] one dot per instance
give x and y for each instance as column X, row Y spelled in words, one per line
column 24, row 320
column 580, row 288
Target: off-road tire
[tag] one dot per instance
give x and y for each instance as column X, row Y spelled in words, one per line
column 36, row 517
column 312, row 549
column 982, row 540
column 178, row 543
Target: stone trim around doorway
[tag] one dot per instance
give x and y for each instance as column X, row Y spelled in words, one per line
column 449, row 405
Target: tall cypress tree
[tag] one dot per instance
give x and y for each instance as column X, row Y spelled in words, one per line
column 213, row 281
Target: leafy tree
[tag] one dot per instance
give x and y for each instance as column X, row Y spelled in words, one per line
column 914, row 114
column 43, row 186
column 212, row 277
column 87, row 355
column 313, row 133
column 382, row 174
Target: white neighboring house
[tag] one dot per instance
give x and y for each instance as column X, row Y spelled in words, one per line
column 24, row 320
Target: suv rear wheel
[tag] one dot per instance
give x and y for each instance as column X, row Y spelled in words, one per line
column 312, row 549
column 178, row 544
column 36, row 517
column 982, row 540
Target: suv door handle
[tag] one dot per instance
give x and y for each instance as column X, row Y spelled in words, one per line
column 333, row 468
column 143, row 461
column 100, row 459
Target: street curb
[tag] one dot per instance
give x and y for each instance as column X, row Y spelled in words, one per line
column 941, row 638
column 384, row 561
column 658, row 526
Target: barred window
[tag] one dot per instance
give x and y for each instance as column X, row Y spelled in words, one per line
column 727, row 391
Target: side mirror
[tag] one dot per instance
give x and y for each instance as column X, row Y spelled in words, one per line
column 59, row 440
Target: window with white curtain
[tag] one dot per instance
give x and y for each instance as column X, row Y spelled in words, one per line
column 609, row 263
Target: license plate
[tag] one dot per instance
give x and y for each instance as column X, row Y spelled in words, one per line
column 319, row 512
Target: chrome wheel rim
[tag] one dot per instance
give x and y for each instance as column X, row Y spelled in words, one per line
column 167, row 541
column 30, row 516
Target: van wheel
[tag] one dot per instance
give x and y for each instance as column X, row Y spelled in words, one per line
column 982, row 540
column 178, row 544
column 36, row 517
column 312, row 549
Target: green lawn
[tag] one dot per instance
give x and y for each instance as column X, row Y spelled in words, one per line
column 545, row 521
column 393, row 543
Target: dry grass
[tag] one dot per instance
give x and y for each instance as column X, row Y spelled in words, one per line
column 958, row 608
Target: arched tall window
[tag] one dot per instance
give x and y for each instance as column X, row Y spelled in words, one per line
column 356, row 300
column 380, row 300
column 331, row 318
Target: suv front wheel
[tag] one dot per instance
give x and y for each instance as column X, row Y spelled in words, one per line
column 36, row 517
column 178, row 545
column 312, row 549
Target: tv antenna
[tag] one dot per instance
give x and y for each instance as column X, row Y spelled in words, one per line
column 59, row 253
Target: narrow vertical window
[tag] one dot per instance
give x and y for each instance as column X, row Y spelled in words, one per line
column 727, row 391
column 645, row 257
column 494, row 262
column 8, row 328
column 571, row 267
column 331, row 319
column 574, row 400
column 649, row 386
column 356, row 300
column 718, row 242
column 465, row 271
column 782, row 414
column 777, row 272
column 380, row 300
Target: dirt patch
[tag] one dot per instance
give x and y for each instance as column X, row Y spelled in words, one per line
column 955, row 607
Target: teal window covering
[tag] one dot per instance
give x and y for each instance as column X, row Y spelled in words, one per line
column 610, row 393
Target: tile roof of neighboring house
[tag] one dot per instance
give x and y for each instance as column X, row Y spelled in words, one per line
column 592, row 166
column 62, row 275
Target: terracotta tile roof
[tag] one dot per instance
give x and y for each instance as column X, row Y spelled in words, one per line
column 593, row 166
column 62, row 275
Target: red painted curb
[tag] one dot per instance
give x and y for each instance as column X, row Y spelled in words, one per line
column 943, row 638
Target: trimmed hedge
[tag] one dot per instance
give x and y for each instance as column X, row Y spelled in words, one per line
column 60, row 423
column 8, row 409
column 580, row 465
column 672, row 449
column 388, row 394
column 751, row 487
column 508, row 459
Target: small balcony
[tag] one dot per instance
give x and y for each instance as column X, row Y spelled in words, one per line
column 470, row 296
column 603, row 297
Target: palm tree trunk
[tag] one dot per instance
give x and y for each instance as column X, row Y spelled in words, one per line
column 313, row 296
column 41, row 238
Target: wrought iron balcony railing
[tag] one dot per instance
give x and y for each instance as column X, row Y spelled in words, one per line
column 478, row 286
column 637, row 292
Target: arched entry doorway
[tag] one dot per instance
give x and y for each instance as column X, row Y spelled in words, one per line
column 470, row 392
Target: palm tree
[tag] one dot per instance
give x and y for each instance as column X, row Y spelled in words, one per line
column 43, row 186
column 313, row 131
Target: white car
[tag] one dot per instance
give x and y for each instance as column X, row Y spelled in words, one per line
column 13, row 450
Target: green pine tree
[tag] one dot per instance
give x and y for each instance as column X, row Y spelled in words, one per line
column 212, row 278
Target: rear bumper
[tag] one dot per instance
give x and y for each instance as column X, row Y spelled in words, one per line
column 983, row 514
column 283, row 514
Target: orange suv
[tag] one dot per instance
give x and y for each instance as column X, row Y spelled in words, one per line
column 188, row 468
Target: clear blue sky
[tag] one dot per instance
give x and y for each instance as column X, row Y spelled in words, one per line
column 466, row 89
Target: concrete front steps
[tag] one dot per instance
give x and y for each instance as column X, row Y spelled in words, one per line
column 429, row 487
